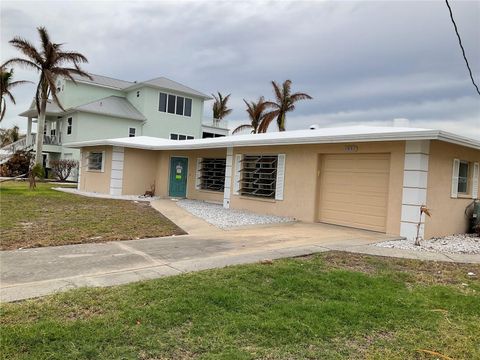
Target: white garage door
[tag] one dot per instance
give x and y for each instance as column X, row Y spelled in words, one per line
column 354, row 190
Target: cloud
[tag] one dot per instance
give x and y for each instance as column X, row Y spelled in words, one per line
column 361, row 61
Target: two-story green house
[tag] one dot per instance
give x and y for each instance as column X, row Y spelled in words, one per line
column 103, row 107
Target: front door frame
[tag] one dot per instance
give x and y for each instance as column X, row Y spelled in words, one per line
column 170, row 173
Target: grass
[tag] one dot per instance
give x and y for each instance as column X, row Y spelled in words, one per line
column 328, row 306
column 45, row 217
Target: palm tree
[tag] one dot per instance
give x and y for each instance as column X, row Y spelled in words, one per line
column 285, row 102
column 257, row 114
column 6, row 85
column 9, row 136
column 220, row 109
column 50, row 62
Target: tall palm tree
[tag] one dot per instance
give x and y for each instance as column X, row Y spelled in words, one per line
column 6, row 86
column 285, row 102
column 257, row 114
column 49, row 61
column 220, row 109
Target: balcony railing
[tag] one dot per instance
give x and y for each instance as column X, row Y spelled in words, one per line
column 216, row 123
column 52, row 140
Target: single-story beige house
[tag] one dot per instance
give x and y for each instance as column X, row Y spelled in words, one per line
column 373, row 178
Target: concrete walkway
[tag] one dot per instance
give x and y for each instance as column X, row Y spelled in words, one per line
column 36, row 272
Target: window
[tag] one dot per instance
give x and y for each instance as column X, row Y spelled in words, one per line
column 171, row 104
column 181, row 137
column 131, row 132
column 180, row 105
column 188, row 107
column 258, row 176
column 163, row 102
column 95, row 161
column 211, row 174
column 53, row 129
column 463, row 177
column 69, row 125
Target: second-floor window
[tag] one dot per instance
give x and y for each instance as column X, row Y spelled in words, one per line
column 132, row 132
column 181, row 137
column 173, row 104
column 69, row 125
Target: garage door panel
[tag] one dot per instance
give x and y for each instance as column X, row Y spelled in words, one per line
column 354, row 190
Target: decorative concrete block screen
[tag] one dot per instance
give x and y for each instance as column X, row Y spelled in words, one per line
column 212, row 174
column 259, row 176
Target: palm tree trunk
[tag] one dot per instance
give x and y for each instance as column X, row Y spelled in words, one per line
column 40, row 127
column 281, row 122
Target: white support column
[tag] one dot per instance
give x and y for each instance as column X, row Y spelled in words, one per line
column 80, row 164
column 228, row 178
column 29, row 131
column 116, row 176
column 415, row 177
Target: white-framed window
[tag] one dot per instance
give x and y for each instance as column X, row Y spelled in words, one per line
column 53, row 129
column 463, row 171
column 465, row 178
column 211, row 174
column 69, row 125
column 96, row 160
column 174, row 104
column 132, row 132
column 181, row 137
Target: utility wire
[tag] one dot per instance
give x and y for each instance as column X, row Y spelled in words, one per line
column 461, row 46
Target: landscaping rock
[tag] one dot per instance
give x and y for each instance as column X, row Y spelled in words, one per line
column 217, row 215
column 455, row 244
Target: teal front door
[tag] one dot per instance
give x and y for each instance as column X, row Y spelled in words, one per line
column 178, row 177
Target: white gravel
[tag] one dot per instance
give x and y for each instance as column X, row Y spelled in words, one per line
column 459, row 244
column 217, row 215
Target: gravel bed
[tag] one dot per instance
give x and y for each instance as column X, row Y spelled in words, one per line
column 217, row 215
column 459, row 244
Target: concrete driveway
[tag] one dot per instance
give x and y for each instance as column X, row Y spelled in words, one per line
column 40, row 271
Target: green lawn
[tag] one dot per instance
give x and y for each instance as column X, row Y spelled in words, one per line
column 328, row 306
column 45, row 217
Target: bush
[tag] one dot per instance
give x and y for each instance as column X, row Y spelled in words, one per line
column 62, row 168
column 18, row 164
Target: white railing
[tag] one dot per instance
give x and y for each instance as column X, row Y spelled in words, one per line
column 216, row 123
column 24, row 144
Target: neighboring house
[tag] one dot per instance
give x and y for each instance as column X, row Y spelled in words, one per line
column 373, row 178
column 108, row 108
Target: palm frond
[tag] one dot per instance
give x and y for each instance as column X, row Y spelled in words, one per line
column 300, row 96
column 277, row 91
column 241, row 128
column 24, row 63
column 10, row 95
column 71, row 56
column 27, row 49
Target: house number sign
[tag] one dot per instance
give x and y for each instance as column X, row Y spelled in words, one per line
column 351, row 148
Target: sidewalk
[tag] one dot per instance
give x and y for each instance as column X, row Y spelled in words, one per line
column 40, row 271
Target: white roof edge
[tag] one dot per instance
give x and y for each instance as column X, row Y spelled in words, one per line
column 231, row 141
column 145, row 84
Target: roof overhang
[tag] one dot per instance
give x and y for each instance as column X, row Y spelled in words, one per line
column 269, row 139
column 167, row 90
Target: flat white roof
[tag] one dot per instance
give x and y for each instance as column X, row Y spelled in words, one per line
column 317, row 136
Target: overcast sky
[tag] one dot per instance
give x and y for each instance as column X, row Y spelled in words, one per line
column 364, row 62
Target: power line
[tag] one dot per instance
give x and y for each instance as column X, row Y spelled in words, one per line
column 461, row 46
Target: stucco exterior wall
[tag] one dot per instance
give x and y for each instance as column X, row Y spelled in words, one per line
column 301, row 180
column 96, row 181
column 163, row 173
column 139, row 171
column 447, row 213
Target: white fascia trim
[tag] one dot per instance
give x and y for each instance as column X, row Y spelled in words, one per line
column 229, row 141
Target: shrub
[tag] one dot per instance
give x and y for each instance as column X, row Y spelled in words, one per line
column 62, row 168
column 18, row 164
